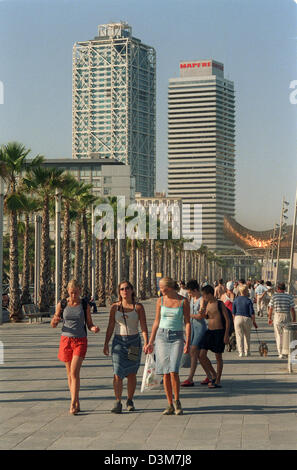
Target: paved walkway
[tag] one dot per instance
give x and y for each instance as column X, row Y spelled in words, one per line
column 255, row 409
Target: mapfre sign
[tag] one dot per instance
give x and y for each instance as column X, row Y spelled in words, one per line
column 192, row 65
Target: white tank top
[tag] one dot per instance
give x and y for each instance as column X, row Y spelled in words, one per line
column 132, row 320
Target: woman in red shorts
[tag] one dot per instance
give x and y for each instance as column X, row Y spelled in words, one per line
column 74, row 343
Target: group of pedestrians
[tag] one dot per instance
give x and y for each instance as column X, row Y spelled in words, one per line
column 188, row 320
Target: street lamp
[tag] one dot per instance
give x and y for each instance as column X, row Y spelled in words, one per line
column 281, row 226
column 38, row 220
column 58, row 245
column 292, row 248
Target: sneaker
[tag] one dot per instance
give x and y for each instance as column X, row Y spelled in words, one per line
column 187, row 383
column 280, row 356
column 178, row 408
column 169, row 410
column 117, row 408
column 240, row 354
column 205, row 381
column 130, row 405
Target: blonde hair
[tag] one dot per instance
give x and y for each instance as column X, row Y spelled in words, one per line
column 169, row 282
column 243, row 290
column 73, row 284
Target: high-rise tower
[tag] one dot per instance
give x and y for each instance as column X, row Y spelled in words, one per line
column 201, row 145
column 114, row 102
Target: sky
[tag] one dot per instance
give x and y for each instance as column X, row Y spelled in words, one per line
column 255, row 39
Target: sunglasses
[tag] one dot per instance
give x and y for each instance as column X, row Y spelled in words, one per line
column 124, row 288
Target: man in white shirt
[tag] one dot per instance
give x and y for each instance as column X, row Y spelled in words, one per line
column 283, row 307
column 260, row 292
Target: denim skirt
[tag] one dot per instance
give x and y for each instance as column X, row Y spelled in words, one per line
column 169, row 350
column 198, row 329
column 122, row 366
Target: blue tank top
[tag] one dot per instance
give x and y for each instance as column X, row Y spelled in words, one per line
column 172, row 317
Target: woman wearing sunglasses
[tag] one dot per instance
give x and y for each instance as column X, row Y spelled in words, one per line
column 124, row 319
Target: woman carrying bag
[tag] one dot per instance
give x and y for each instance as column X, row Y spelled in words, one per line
column 125, row 316
column 172, row 312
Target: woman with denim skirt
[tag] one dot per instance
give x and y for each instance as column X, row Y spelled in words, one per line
column 172, row 312
column 125, row 316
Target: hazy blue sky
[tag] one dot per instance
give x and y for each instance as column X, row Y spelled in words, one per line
column 255, row 39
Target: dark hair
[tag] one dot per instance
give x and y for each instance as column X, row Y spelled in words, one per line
column 242, row 281
column 262, row 282
column 208, row 290
column 221, row 281
column 268, row 283
column 182, row 282
column 281, row 286
column 129, row 285
column 193, row 285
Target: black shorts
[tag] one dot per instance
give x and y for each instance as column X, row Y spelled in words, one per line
column 213, row 340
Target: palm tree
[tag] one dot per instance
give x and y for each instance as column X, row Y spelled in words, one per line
column 30, row 205
column 13, row 162
column 70, row 187
column 44, row 181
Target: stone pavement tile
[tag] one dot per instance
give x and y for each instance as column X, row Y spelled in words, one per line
column 35, row 443
column 223, row 444
column 28, row 427
column 9, row 442
column 70, row 443
column 286, row 437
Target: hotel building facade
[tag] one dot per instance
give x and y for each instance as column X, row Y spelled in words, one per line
column 114, row 102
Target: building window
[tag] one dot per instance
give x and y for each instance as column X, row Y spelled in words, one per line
column 107, row 179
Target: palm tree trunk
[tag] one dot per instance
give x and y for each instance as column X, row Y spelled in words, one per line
column 77, row 250
column 101, row 277
column 132, row 270
column 112, row 273
column 107, row 275
column 14, row 303
column 85, row 269
column 148, row 268
column 45, row 269
column 142, row 270
column 173, row 262
column 154, row 290
column 26, row 298
column 66, row 251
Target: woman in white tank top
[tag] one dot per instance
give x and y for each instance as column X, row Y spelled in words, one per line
column 125, row 317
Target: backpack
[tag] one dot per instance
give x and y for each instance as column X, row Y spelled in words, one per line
column 84, row 303
column 231, row 322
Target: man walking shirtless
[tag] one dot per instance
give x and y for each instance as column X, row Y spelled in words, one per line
column 215, row 337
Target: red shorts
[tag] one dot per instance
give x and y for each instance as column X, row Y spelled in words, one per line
column 70, row 347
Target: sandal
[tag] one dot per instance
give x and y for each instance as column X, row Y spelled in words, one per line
column 213, row 384
column 187, row 383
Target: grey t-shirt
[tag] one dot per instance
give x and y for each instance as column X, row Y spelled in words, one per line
column 74, row 322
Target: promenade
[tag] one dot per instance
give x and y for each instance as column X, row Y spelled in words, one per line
column 255, row 409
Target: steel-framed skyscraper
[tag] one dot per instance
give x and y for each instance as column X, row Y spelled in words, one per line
column 114, row 102
column 201, row 145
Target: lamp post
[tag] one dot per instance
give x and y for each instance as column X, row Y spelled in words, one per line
column 1, row 245
column 283, row 216
column 292, row 248
column 38, row 220
column 58, row 246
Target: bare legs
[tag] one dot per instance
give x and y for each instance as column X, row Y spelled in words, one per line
column 207, row 366
column 171, row 386
column 118, row 386
column 73, row 375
